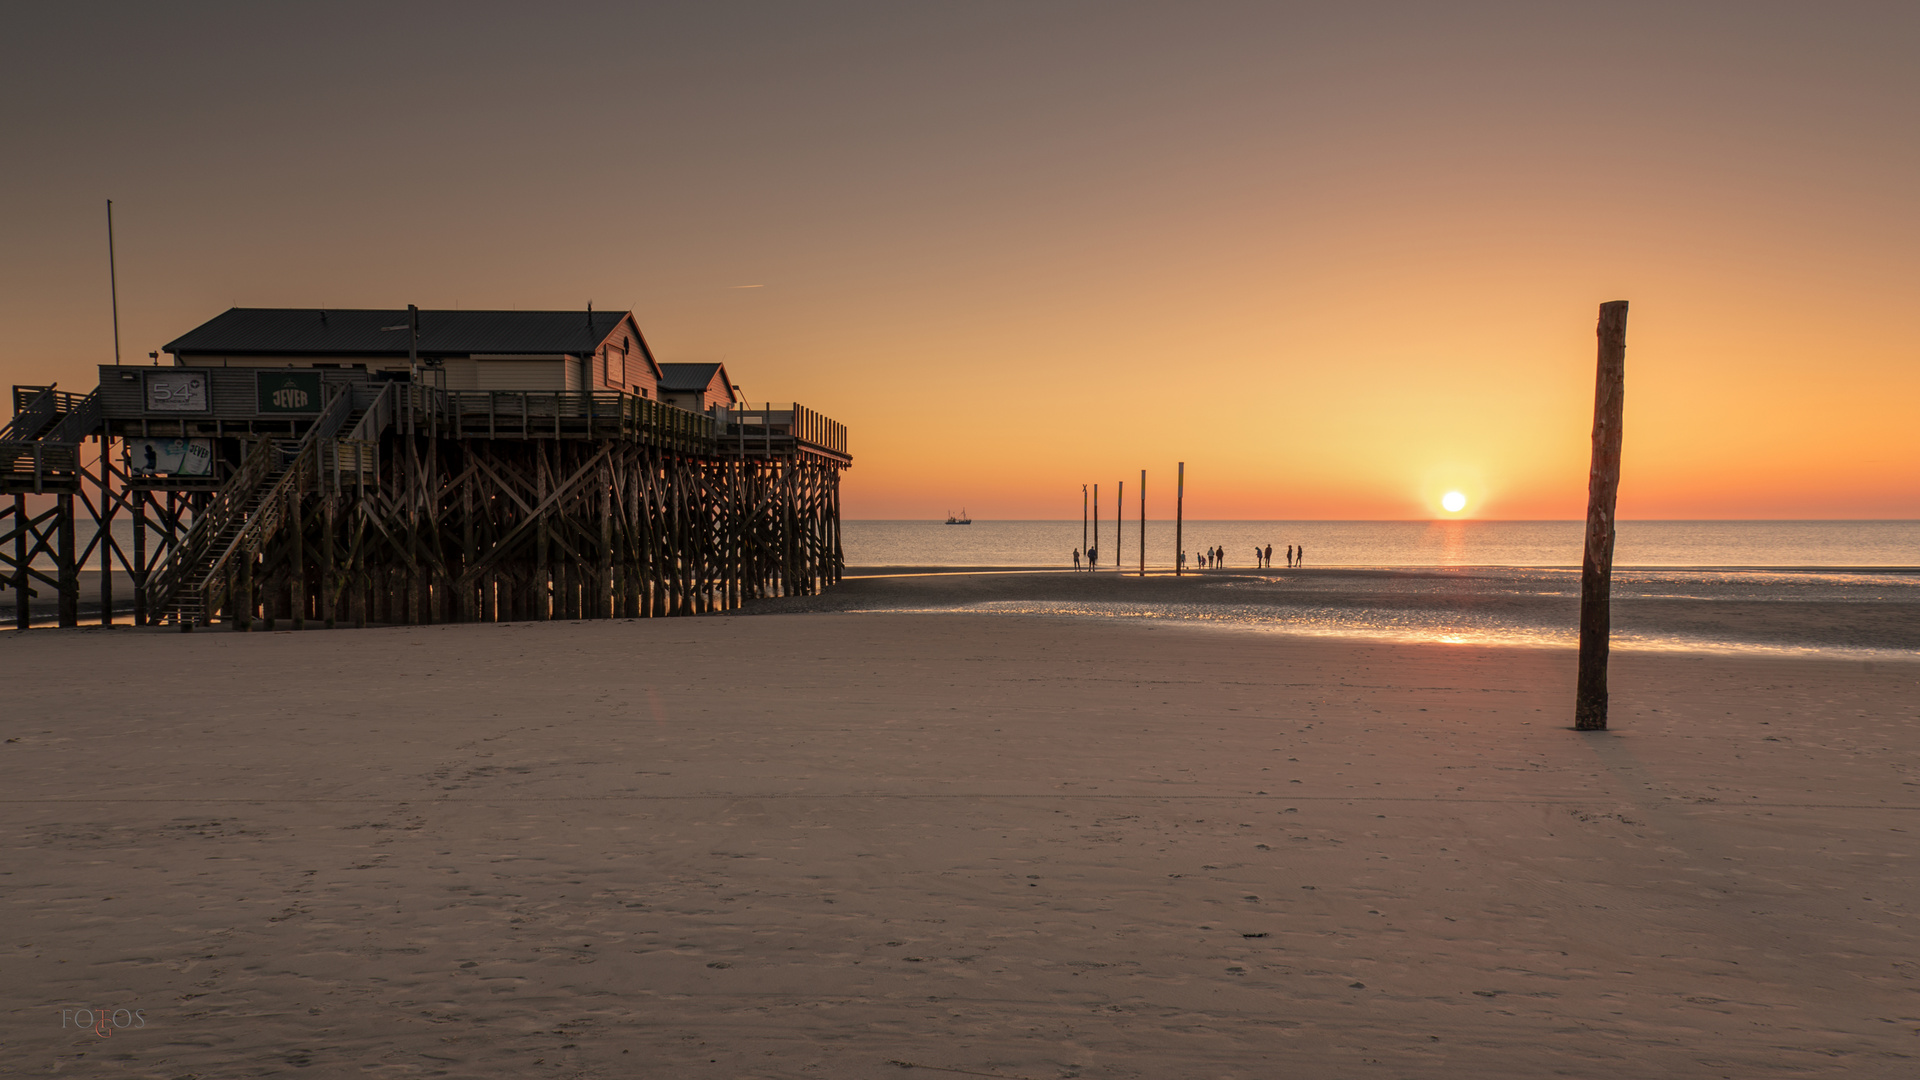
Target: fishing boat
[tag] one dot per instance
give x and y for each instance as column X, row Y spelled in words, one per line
column 963, row 519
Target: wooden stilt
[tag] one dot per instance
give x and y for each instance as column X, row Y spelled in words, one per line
column 68, row 573
column 22, row 589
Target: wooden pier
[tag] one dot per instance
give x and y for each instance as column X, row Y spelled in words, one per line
column 399, row 502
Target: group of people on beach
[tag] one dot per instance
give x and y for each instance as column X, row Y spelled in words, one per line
column 1262, row 557
column 1213, row 558
column 1216, row 557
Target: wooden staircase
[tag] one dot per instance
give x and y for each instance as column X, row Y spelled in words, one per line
column 190, row 588
column 40, row 446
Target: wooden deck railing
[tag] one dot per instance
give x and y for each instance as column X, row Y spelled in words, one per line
column 571, row 414
column 746, row 423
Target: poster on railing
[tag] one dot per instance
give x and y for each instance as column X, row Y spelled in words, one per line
column 170, row 457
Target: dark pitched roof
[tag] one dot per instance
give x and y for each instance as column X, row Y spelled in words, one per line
column 686, row 377
column 359, row 332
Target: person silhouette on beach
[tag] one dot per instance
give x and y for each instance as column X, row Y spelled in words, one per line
column 1076, row 558
column 1093, row 558
column 1269, row 555
column 1289, row 554
column 1300, row 556
column 1256, row 556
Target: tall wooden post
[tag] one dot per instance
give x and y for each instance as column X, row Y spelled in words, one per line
column 105, row 520
column 139, row 557
column 22, row 613
column 541, row 574
column 297, row 553
column 1143, row 523
column 359, row 593
column 68, row 570
column 603, row 576
column 1096, row 527
column 330, row 553
column 1083, row 518
column 240, row 594
column 1179, row 520
column 1119, row 523
column 1603, row 485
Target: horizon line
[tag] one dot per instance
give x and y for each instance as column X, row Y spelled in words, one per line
column 1429, row 521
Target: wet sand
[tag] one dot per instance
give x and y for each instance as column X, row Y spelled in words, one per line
column 1786, row 610
column 827, row 845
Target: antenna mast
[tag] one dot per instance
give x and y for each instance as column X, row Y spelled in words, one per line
column 113, row 285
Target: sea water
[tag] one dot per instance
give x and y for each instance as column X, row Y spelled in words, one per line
column 1730, row 544
column 1827, row 588
column 1727, row 544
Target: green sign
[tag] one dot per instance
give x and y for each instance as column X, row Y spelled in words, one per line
column 289, row 391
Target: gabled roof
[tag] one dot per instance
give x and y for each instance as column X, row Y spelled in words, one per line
column 687, row 378
column 362, row 332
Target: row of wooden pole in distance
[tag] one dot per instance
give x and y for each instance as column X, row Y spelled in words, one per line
column 1119, row 521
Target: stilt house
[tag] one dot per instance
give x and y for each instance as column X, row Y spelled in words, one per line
column 415, row 466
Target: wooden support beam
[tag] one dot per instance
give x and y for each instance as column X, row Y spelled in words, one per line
column 67, row 571
column 22, row 587
column 297, row 556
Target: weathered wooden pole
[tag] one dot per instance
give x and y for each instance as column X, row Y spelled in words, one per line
column 69, row 566
column 22, row 611
column 1119, row 525
column 1603, row 485
column 140, row 558
column 1083, row 519
column 1091, row 551
column 1179, row 520
column 297, row 553
column 105, row 516
column 1143, row 523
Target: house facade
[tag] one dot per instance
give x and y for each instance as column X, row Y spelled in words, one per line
column 452, row 350
column 697, row 387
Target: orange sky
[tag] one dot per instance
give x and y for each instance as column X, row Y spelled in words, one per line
column 1338, row 261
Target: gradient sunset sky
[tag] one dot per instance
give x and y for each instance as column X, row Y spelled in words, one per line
column 1340, row 258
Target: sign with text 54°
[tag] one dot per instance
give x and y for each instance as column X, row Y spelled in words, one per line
column 289, row 391
column 176, row 391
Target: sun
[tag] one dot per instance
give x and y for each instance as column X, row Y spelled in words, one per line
column 1453, row 502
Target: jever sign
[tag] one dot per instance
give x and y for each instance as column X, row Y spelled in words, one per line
column 288, row 391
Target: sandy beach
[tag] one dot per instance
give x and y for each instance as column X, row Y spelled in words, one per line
column 876, row 845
